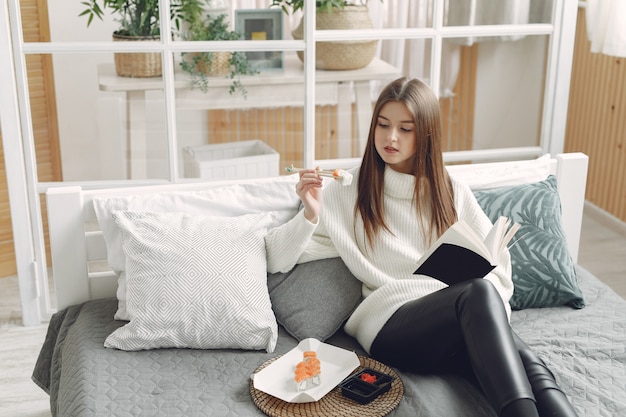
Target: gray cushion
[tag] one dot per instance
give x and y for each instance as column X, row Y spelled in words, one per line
column 314, row 299
column 543, row 270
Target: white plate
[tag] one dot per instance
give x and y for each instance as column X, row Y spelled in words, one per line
column 277, row 379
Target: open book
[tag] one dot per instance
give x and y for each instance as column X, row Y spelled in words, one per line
column 460, row 254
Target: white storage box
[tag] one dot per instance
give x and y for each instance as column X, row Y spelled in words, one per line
column 233, row 160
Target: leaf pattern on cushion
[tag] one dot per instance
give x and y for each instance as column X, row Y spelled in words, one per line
column 543, row 270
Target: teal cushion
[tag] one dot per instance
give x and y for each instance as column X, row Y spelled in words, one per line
column 543, row 270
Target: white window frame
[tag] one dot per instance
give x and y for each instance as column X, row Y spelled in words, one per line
column 15, row 117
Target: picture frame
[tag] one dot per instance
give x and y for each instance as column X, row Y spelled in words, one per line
column 261, row 24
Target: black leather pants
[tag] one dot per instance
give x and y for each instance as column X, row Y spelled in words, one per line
column 469, row 320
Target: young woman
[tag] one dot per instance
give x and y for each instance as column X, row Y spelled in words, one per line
column 401, row 199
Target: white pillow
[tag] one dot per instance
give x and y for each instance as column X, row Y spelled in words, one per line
column 276, row 195
column 195, row 282
column 502, row 174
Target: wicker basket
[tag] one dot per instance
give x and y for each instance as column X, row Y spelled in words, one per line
column 219, row 64
column 346, row 55
column 137, row 64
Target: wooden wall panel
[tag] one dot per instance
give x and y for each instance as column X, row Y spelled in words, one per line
column 7, row 252
column 457, row 112
column 596, row 122
column 45, row 128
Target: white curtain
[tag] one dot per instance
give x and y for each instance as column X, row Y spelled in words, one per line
column 413, row 56
column 606, row 26
column 487, row 12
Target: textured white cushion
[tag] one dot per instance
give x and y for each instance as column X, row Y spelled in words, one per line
column 274, row 194
column 195, row 282
column 502, row 174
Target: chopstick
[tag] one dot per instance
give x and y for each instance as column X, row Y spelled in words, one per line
column 320, row 172
column 343, row 177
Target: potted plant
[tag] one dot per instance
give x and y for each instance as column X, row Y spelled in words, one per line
column 336, row 14
column 138, row 21
column 202, row 65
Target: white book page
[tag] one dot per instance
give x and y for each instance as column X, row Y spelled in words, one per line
column 500, row 235
column 496, row 234
column 460, row 234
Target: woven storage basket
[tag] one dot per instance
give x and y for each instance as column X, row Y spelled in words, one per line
column 137, row 64
column 346, row 55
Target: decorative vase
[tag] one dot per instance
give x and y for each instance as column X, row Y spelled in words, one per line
column 341, row 55
column 137, row 64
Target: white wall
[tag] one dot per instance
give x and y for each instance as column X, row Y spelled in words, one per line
column 77, row 92
column 509, row 93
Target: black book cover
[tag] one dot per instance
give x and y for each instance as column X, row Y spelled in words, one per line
column 452, row 264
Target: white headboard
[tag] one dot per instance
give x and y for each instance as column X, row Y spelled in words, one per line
column 79, row 263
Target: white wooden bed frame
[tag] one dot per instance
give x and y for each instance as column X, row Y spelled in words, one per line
column 79, row 265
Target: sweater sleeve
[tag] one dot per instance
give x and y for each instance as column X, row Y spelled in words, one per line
column 297, row 241
column 285, row 243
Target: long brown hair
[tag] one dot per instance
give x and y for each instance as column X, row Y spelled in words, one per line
column 433, row 195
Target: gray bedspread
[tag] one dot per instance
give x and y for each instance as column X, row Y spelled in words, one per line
column 585, row 349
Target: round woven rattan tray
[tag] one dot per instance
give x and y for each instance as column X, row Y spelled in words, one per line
column 333, row 403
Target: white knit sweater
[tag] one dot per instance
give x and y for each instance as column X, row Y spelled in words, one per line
column 386, row 270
